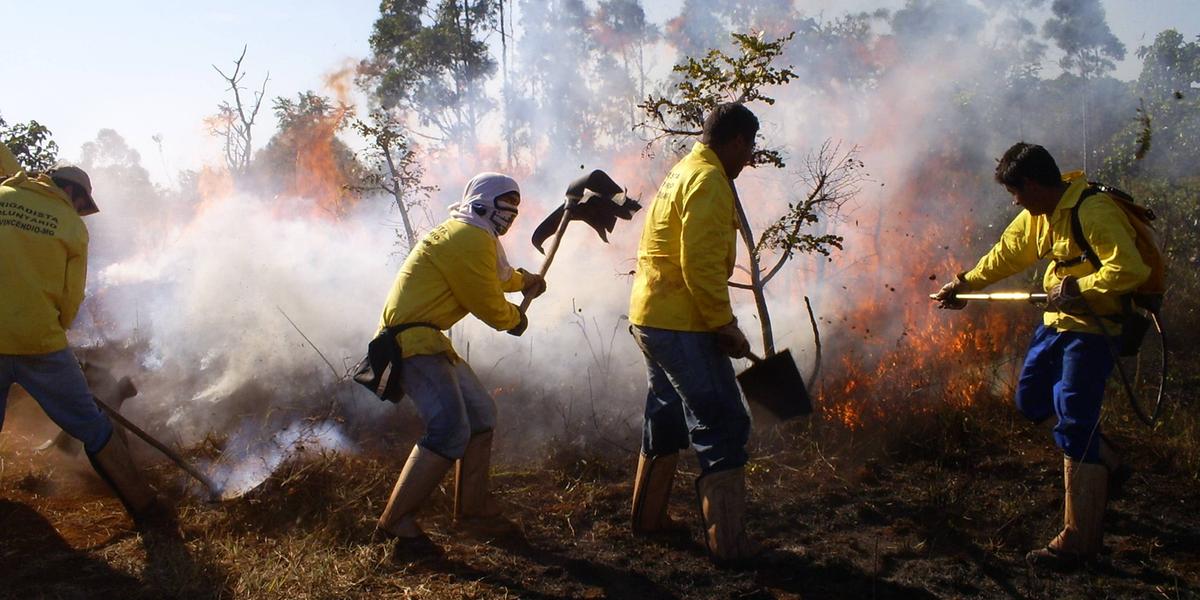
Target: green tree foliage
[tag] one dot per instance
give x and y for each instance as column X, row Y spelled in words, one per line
column 1080, row 30
column 832, row 174
column 1154, row 157
column 31, row 143
column 434, row 61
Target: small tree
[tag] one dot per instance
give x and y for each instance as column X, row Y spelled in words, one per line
column 1090, row 48
column 397, row 169
column 235, row 122
column 832, row 174
column 31, row 144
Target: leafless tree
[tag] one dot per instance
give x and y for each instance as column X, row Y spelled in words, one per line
column 235, row 122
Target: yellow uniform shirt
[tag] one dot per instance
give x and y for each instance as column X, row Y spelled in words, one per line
column 1029, row 239
column 687, row 250
column 452, row 271
column 8, row 163
column 43, row 265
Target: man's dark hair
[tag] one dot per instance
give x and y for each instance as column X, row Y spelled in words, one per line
column 1027, row 162
column 728, row 121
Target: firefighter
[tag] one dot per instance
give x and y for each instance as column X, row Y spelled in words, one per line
column 44, row 243
column 1069, row 359
column 457, row 268
column 683, row 322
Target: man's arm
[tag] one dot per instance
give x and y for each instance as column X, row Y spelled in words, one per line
column 73, row 286
column 1107, row 229
column 1015, row 252
column 470, row 269
column 515, row 281
column 707, row 233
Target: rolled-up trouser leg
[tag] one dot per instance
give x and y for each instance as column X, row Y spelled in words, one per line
column 1086, row 366
column 433, row 384
column 472, row 495
column 57, row 384
column 1040, row 375
column 702, row 377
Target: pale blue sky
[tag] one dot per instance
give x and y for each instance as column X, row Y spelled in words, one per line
column 145, row 68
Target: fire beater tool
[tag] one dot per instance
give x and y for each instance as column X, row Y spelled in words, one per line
column 214, row 490
column 994, row 296
column 774, row 383
column 594, row 199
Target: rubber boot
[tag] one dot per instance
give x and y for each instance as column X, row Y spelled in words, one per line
column 472, row 497
column 652, row 494
column 421, row 474
column 116, row 468
column 1080, row 541
column 723, row 508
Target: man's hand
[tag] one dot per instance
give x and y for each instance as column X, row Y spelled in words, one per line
column 732, row 341
column 521, row 326
column 946, row 297
column 535, row 285
column 1066, row 297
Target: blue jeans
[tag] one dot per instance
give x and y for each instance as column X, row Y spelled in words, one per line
column 1064, row 375
column 693, row 399
column 451, row 401
column 56, row 382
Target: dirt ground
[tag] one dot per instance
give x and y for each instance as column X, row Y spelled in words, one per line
column 944, row 509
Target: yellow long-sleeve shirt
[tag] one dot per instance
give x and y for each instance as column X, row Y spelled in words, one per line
column 687, row 250
column 1029, row 239
column 452, row 271
column 43, row 265
column 8, row 163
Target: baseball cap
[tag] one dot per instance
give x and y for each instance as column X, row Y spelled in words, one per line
column 80, row 178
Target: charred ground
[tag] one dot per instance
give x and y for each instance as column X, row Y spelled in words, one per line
column 935, row 505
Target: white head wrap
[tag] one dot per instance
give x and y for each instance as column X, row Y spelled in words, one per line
column 478, row 207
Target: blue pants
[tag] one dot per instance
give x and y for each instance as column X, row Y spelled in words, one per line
column 693, row 399
column 57, row 383
column 452, row 402
column 1064, row 375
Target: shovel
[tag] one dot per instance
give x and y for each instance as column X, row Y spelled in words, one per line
column 594, row 199
column 775, row 384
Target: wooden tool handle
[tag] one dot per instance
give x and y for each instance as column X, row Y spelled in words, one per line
column 213, row 489
column 558, row 234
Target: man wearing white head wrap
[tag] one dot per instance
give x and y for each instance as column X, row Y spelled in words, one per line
column 457, row 268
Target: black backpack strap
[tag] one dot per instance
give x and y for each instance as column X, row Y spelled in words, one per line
column 1088, row 254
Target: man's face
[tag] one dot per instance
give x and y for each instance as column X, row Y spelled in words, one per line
column 742, row 152
column 506, row 211
column 1034, row 197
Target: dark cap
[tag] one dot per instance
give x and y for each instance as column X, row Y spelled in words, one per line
column 80, row 178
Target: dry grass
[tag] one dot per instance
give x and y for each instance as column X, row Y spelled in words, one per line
column 925, row 505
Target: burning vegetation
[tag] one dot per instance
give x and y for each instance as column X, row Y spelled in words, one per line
column 241, row 303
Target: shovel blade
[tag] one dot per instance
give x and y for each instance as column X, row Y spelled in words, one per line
column 774, row 383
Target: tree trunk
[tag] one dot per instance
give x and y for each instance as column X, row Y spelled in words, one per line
column 408, row 230
column 756, row 282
